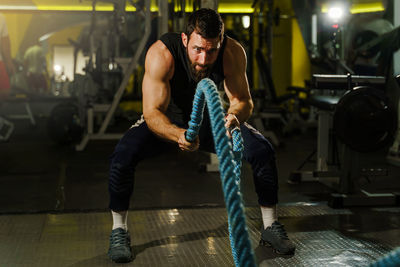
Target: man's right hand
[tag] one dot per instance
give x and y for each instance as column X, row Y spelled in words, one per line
column 185, row 145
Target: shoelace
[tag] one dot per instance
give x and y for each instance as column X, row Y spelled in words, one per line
column 119, row 238
column 279, row 230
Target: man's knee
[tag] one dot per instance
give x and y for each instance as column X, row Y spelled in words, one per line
column 257, row 147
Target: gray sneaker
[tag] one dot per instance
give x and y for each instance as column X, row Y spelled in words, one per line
column 276, row 237
column 120, row 246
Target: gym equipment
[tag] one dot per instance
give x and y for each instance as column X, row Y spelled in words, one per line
column 273, row 107
column 393, row 156
column 273, row 113
column 379, row 48
column 6, row 129
column 21, row 100
column 364, row 120
column 63, row 125
column 359, row 101
column 94, row 106
column 114, row 51
column 230, row 165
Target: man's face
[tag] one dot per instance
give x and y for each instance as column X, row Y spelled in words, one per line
column 202, row 53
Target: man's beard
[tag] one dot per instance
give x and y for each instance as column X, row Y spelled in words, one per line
column 198, row 75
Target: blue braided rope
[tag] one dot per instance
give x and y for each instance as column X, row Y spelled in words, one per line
column 229, row 165
column 237, row 150
column 392, row 259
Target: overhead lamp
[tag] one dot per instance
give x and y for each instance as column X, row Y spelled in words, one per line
column 246, row 21
column 355, row 8
column 335, row 13
column 57, row 69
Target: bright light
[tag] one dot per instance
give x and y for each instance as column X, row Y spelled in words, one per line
column 246, row 21
column 57, row 68
column 359, row 7
column 335, row 13
column 7, row 7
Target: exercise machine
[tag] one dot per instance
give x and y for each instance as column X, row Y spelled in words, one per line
column 96, row 95
column 393, row 156
column 357, row 119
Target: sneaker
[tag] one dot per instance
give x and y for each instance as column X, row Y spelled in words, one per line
column 276, row 237
column 120, row 246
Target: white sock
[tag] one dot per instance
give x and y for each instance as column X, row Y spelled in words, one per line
column 269, row 215
column 120, row 219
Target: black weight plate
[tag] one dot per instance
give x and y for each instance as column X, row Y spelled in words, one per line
column 364, row 120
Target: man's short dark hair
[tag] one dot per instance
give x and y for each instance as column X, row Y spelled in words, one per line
column 206, row 22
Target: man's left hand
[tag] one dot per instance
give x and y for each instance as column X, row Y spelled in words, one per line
column 231, row 122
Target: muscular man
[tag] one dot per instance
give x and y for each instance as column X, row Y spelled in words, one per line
column 174, row 65
column 6, row 64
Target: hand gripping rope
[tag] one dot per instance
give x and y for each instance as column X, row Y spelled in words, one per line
column 229, row 165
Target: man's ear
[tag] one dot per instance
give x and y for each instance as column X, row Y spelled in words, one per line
column 184, row 39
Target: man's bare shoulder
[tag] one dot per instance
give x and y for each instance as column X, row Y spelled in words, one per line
column 159, row 58
column 234, row 54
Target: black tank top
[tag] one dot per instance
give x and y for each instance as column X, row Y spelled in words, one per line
column 183, row 85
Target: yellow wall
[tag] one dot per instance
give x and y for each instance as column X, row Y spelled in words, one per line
column 17, row 25
column 281, row 52
column 301, row 66
column 61, row 37
column 290, row 62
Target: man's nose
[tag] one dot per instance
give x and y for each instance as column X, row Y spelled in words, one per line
column 203, row 59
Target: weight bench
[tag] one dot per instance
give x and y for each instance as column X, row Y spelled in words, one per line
column 270, row 106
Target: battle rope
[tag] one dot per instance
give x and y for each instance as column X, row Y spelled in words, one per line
column 229, row 165
column 392, row 259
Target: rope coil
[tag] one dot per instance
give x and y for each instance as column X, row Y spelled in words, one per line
column 229, row 164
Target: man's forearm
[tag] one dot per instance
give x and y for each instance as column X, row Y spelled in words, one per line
column 159, row 124
column 242, row 110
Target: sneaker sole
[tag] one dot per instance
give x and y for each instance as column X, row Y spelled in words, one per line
column 267, row 244
column 121, row 260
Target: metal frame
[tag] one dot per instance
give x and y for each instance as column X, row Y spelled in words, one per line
column 8, row 132
column 25, row 116
column 110, row 109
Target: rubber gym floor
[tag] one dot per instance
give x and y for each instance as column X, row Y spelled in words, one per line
column 53, row 208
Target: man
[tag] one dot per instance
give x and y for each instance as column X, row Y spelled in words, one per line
column 6, row 65
column 35, row 65
column 173, row 67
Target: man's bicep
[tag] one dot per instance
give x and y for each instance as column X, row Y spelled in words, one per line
column 156, row 94
column 236, row 84
column 237, row 87
column 156, row 90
